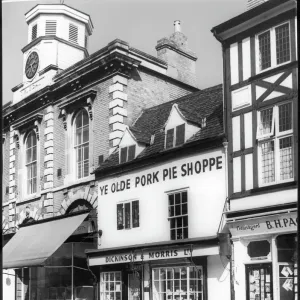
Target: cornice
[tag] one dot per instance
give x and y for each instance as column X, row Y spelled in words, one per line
column 53, row 37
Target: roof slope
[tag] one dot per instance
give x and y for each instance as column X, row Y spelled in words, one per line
column 205, row 104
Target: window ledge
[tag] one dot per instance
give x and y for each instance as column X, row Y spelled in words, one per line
column 74, row 182
column 35, row 196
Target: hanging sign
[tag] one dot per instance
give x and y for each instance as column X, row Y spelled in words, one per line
column 269, row 224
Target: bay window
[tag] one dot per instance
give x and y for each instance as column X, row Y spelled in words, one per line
column 273, row 47
column 275, row 141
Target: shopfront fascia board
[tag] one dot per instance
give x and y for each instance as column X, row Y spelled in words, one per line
column 144, row 255
column 275, row 224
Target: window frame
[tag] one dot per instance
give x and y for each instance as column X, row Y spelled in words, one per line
column 130, row 216
column 174, row 130
column 27, row 164
column 176, row 217
column 182, row 294
column 103, row 282
column 273, row 50
column 275, row 137
column 82, row 145
column 127, row 148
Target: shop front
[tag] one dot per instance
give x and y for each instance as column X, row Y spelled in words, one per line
column 265, row 256
column 161, row 271
column 49, row 262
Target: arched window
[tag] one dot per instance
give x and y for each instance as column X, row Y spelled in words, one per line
column 31, row 163
column 82, row 144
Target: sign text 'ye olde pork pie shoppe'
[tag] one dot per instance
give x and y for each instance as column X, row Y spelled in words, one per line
column 172, row 172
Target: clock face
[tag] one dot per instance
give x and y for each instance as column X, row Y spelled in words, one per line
column 32, row 64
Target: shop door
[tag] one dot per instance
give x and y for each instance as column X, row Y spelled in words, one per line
column 259, row 282
column 134, row 287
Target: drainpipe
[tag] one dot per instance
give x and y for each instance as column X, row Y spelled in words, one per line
column 225, row 145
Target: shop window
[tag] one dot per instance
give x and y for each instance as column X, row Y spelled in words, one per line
column 275, row 141
column 273, row 47
column 128, row 215
column 287, row 266
column 175, row 136
column 82, row 143
column 259, row 282
column 110, row 286
column 31, row 163
column 127, row 154
column 178, row 215
column 178, row 283
column 259, row 249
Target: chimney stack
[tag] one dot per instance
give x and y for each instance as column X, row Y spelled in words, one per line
column 181, row 60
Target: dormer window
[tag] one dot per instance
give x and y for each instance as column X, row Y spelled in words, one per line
column 127, row 154
column 73, row 33
column 34, row 32
column 50, row 28
column 177, row 139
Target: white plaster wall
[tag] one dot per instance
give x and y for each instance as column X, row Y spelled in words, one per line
column 127, row 140
column 236, row 133
column 249, row 171
column 68, row 55
column 248, row 129
column 246, row 58
column 281, row 197
column 237, row 174
column 206, row 196
column 8, row 290
column 241, row 97
column 175, row 119
column 218, row 278
column 234, row 63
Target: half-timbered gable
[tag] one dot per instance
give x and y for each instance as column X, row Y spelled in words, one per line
column 261, row 96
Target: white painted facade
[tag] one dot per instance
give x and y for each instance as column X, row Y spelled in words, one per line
column 206, row 195
column 9, row 282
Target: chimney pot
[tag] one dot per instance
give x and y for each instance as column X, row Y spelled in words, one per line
column 177, row 27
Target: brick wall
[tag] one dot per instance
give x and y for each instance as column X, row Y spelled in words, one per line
column 59, row 158
column 147, row 89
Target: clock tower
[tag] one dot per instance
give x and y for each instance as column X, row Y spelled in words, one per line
column 57, row 38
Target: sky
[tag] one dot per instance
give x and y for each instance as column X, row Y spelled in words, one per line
column 141, row 23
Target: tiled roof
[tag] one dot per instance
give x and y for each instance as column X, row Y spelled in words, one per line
column 207, row 103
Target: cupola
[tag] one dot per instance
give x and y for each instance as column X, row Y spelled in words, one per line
column 57, row 39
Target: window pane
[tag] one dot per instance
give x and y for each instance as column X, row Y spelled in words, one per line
column 79, row 169
column 78, row 136
column 34, row 153
column 170, row 138
column 86, row 168
column 127, row 215
column 131, row 152
column 184, row 208
column 173, row 223
column 123, row 154
column 285, row 117
column 171, row 199
column 177, row 198
column 29, row 141
column 79, row 154
column 268, row 165
column 264, row 50
column 135, row 214
column 180, row 134
column 34, row 169
column 78, row 121
column 171, row 211
column 85, row 134
column 28, row 155
column 120, row 216
column 86, row 153
column 286, row 158
column 282, row 43
column 85, row 118
column 184, row 197
column 266, row 117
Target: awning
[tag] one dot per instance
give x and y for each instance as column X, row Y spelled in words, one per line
column 33, row 244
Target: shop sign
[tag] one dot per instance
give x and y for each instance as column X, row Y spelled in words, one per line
column 138, row 256
column 263, row 225
column 170, row 173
